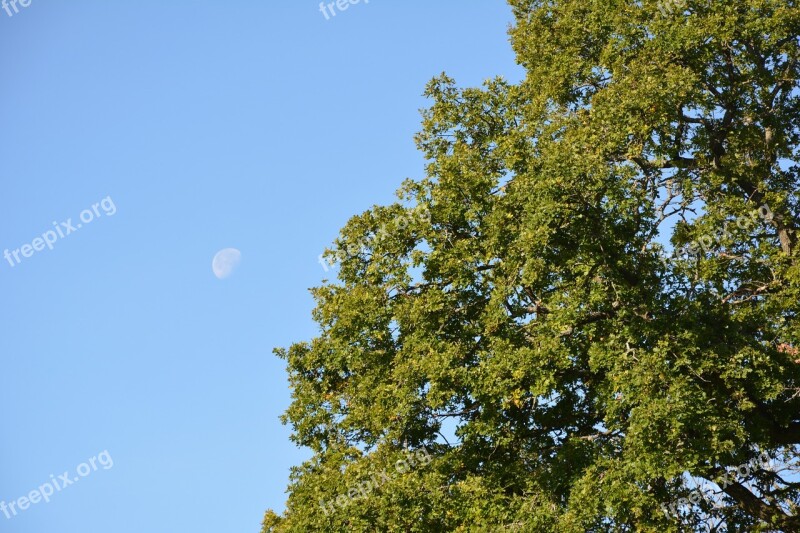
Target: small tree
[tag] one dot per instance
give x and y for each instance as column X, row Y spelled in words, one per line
column 588, row 308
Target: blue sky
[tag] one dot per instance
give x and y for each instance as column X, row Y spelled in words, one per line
column 260, row 126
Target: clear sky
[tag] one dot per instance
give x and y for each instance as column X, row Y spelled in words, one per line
column 177, row 129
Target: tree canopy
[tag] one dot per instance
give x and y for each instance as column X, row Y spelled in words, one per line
column 585, row 314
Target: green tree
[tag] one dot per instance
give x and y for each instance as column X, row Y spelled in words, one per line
column 521, row 312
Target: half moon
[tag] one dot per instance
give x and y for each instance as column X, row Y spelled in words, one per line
column 225, row 262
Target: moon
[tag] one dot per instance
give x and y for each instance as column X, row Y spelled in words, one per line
column 225, row 262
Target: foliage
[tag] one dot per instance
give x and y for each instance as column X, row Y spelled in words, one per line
column 525, row 322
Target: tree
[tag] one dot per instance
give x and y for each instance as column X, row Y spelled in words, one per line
column 588, row 308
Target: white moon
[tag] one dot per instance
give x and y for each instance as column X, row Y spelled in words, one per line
column 225, row 262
